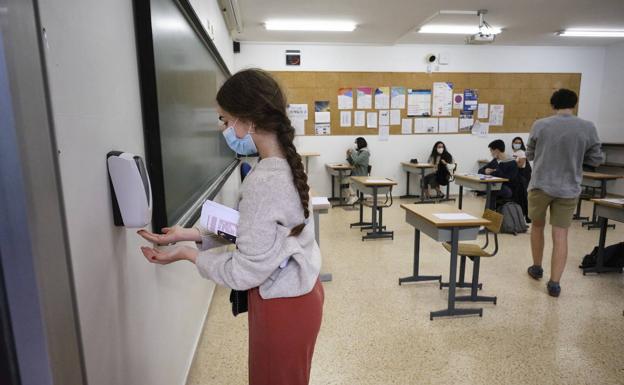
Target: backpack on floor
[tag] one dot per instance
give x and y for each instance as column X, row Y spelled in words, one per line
column 513, row 219
column 613, row 256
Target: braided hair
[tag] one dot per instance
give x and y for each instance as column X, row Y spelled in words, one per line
column 254, row 95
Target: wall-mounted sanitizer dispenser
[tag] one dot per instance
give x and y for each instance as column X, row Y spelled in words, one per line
column 130, row 189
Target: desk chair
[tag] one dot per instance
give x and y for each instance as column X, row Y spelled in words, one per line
column 448, row 187
column 380, row 206
column 475, row 253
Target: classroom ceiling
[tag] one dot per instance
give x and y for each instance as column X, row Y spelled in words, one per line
column 524, row 22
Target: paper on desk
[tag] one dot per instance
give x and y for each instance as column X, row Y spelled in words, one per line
column 316, row 201
column 378, row 181
column 454, row 216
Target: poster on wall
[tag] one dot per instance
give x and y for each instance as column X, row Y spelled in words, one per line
column 364, row 98
column 497, row 112
column 397, row 97
column 426, row 125
column 345, row 118
column 345, row 99
column 442, row 99
column 395, row 117
column 418, row 102
column 371, row 119
column 482, row 111
column 299, row 125
column 406, row 126
column 298, row 111
column 321, row 112
column 382, row 98
column 322, row 128
column 384, row 118
column 448, row 125
column 471, row 100
column 458, row 101
column 360, row 118
column 384, row 133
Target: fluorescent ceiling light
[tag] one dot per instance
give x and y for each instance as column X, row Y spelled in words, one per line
column 458, row 29
column 591, row 33
column 310, row 25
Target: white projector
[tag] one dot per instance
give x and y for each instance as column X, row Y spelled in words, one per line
column 481, row 38
column 131, row 190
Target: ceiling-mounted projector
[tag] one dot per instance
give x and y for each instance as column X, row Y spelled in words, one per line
column 486, row 33
column 481, row 38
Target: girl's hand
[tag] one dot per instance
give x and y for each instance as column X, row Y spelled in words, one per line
column 171, row 235
column 443, row 161
column 165, row 257
column 489, row 171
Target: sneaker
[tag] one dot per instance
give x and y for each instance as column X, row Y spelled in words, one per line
column 553, row 288
column 352, row 199
column 536, row 272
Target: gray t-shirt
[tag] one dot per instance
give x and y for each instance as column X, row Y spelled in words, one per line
column 559, row 146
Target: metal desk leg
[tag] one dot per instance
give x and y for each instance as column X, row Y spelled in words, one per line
column 461, row 197
column 361, row 221
column 577, row 216
column 462, row 273
column 333, row 188
column 377, row 231
column 341, row 200
column 416, row 277
column 488, row 195
column 603, row 194
column 600, row 268
column 451, row 310
column 407, row 192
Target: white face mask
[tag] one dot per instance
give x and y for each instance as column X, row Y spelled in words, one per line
column 440, row 150
column 517, row 146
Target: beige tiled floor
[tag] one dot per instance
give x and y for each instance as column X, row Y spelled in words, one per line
column 377, row 332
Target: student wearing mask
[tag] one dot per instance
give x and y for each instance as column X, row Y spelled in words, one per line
column 524, row 172
column 501, row 166
column 359, row 158
column 443, row 162
column 276, row 257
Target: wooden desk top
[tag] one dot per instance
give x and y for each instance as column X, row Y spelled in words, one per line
column 339, row 166
column 304, row 154
column 427, row 212
column 600, row 176
column 370, row 181
column 476, row 178
column 418, row 165
column 610, row 203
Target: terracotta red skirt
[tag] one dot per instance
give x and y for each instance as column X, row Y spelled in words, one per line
column 282, row 335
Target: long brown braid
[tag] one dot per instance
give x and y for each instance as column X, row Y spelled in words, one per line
column 254, row 95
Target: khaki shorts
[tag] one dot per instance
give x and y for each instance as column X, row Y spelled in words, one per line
column 561, row 209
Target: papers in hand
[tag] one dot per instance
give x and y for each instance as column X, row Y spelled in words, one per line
column 220, row 220
column 454, row 216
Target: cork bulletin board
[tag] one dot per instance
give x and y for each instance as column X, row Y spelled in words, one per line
column 526, row 96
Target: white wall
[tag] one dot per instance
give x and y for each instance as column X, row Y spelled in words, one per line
column 139, row 322
column 611, row 122
column 386, row 156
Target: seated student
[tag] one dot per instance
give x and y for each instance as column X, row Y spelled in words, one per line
column 524, row 172
column 503, row 167
column 443, row 161
column 359, row 158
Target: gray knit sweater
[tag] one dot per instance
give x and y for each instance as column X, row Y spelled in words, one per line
column 269, row 208
column 559, row 146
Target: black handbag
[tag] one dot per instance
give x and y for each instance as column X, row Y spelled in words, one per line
column 414, row 161
column 238, row 298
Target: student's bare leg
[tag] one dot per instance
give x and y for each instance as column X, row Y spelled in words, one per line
column 537, row 241
column 559, row 252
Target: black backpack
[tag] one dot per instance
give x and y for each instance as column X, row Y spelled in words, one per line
column 613, row 257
